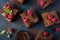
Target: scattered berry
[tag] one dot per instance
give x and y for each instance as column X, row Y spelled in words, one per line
column 53, row 20
column 57, row 29
column 10, row 16
column 26, row 20
column 45, row 33
column 52, row 0
column 11, row 30
column 29, row 13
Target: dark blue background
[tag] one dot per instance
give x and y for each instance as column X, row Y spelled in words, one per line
column 19, row 25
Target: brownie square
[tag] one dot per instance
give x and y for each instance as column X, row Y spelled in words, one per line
column 43, row 35
column 22, row 35
column 50, row 18
column 44, row 3
column 18, row 1
column 9, row 11
column 29, row 17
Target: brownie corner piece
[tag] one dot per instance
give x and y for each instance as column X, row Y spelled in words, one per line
column 44, row 3
column 18, row 1
column 29, row 17
column 43, row 35
column 50, row 18
column 9, row 11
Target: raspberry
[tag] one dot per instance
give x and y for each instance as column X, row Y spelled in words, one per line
column 45, row 33
column 29, row 13
column 26, row 20
column 42, row 3
column 49, row 17
column 10, row 16
column 53, row 20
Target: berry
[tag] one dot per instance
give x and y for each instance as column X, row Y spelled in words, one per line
column 11, row 30
column 26, row 20
column 49, row 17
column 2, row 10
column 57, row 29
column 45, row 33
column 29, row 13
column 53, row 20
column 52, row 0
column 10, row 16
column 42, row 3
column 9, row 7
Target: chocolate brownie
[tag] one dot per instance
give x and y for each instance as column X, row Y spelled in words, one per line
column 22, row 35
column 29, row 17
column 45, row 3
column 8, row 11
column 18, row 1
column 43, row 35
column 50, row 18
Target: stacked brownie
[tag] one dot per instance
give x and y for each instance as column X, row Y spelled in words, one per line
column 29, row 17
column 9, row 12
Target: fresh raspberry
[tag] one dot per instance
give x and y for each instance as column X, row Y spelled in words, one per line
column 10, row 16
column 42, row 3
column 11, row 30
column 52, row 0
column 9, row 7
column 29, row 13
column 45, row 33
column 53, row 20
column 49, row 17
column 2, row 10
column 26, row 20
column 57, row 29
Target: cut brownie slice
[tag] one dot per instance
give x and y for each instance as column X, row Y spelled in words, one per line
column 18, row 1
column 29, row 17
column 45, row 3
column 43, row 35
column 8, row 11
column 50, row 18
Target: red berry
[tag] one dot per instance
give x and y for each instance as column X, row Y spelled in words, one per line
column 29, row 13
column 9, row 7
column 57, row 29
column 26, row 20
column 45, row 33
column 11, row 30
column 42, row 3
column 2, row 10
column 49, row 17
column 52, row 0
column 53, row 20
column 10, row 16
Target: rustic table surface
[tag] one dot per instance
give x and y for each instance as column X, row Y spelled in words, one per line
column 19, row 25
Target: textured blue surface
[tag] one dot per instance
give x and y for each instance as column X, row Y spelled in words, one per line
column 19, row 25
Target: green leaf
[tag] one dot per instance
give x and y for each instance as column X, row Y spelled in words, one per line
column 7, row 11
column 2, row 32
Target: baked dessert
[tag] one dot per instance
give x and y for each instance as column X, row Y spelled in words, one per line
column 50, row 18
column 9, row 11
column 18, row 1
column 44, row 3
column 43, row 35
column 22, row 35
column 29, row 17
